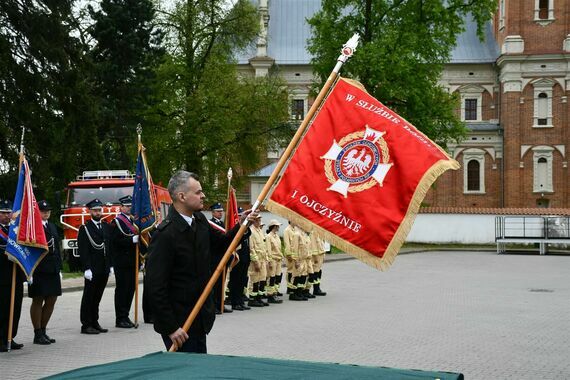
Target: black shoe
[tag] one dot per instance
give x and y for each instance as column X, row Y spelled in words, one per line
column 308, row 294
column 237, row 308
column 46, row 335
column 279, row 294
column 124, row 324
column 149, row 320
column 255, row 303
column 272, row 299
column 99, row 328
column 89, row 330
column 318, row 292
column 296, row 297
column 16, row 346
column 290, row 291
column 40, row 338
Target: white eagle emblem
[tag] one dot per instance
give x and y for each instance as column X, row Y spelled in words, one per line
column 357, row 162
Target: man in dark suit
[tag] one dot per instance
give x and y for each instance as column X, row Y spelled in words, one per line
column 178, row 266
column 217, row 254
column 46, row 285
column 124, row 239
column 93, row 241
column 6, row 268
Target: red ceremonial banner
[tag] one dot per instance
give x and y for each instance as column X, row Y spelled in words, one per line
column 359, row 175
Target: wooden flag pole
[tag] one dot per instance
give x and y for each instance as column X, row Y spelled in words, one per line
column 225, row 272
column 137, row 285
column 139, row 133
column 12, row 296
column 347, row 51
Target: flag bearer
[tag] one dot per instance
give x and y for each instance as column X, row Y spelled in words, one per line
column 6, row 283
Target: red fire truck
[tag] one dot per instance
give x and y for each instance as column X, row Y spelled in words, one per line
column 108, row 186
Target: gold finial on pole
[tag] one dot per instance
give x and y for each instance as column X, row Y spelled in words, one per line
column 139, row 131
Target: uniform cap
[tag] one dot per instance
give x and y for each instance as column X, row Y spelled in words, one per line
column 5, row 205
column 44, row 205
column 95, row 203
column 240, row 210
column 127, row 200
column 273, row 222
column 217, row 207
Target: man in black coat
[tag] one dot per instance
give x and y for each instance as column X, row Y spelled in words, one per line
column 178, row 266
column 93, row 244
column 46, row 285
column 6, row 268
column 124, row 239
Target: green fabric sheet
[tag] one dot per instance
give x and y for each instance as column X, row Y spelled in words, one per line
column 170, row 366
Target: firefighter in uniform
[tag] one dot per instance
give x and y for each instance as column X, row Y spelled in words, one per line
column 299, row 253
column 46, row 285
column 258, row 264
column 318, row 256
column 275, row 257
column 6, row 268
column 124, row 239
column 93, row 242
column 217, row 254
column 309, row 266
column 288, row 239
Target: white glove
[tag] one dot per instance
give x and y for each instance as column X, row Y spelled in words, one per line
column 112, row 271
column 60, row 276
column 135, row 239
column 31, row 281
column 88, row 275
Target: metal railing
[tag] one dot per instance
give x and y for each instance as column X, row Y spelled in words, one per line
column 532, row 227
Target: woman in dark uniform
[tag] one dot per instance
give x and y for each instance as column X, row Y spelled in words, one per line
column 46, row 285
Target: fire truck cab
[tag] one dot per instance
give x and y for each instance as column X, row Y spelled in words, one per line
column 108, row 186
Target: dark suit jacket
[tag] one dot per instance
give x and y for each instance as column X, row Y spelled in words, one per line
column 178, row 269
column 124, row 250
column 51, row 263
column 98, row 260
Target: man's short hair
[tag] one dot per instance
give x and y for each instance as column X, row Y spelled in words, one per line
column 178, row 182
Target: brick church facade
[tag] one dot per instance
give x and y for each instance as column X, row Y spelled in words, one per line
column 513, row 89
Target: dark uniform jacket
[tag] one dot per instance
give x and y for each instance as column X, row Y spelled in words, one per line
column 95, row 254
column 124, row 250
column 6, row 265
column 178, row 269
column 51, row 263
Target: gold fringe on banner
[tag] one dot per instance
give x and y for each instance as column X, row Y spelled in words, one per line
column 384, row 262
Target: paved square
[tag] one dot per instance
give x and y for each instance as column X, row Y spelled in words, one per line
column 488, row 316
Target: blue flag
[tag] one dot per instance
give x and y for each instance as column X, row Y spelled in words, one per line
column 27, row 243
column 144, row 205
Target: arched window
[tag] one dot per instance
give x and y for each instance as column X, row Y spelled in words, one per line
column 474, row 171
column 542, row 113
column 542, row 172
column 542, row 159
column 473, row 176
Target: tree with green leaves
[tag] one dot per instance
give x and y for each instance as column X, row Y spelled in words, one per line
column 126, row 53
column 211, row 118
column 404, row 46
column 44, row 88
